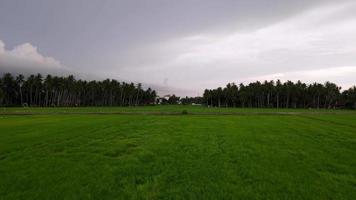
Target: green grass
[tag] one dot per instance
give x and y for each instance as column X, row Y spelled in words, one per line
column 149, row 156
column 162, row 109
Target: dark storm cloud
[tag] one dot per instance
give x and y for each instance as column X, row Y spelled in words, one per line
column 193, row 44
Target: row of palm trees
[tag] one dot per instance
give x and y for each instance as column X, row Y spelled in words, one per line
column 270, row 94
column 35, row 90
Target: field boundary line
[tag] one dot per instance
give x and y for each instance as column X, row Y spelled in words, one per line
column 179, row 113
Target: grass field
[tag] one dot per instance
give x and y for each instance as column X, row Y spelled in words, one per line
column 166, row 109
column 156, row 153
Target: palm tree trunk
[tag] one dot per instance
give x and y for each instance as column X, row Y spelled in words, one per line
column 21, row 96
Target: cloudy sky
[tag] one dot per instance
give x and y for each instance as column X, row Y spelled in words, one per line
column 181, row 46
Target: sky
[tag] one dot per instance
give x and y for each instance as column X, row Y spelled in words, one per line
column 183, row 46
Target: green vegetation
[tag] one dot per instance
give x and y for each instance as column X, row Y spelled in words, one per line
column 270, row 94
column 301, row 154
column 51, row 91
column 165, row 109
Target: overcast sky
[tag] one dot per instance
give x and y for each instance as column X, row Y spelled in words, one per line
column 181, row 46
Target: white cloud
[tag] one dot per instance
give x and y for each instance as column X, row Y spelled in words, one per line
column 2, row 47
column 28, row 51
column 25, row 58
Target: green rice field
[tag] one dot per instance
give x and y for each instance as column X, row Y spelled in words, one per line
column 161, row 152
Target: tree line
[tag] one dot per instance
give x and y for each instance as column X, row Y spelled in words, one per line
column 36, row 90
column 270, row 94
column 173, row 100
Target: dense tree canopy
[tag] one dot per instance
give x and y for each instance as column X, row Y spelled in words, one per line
column 36, row 90
column 270, row 94
column 192, row 100
column 67, row 91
